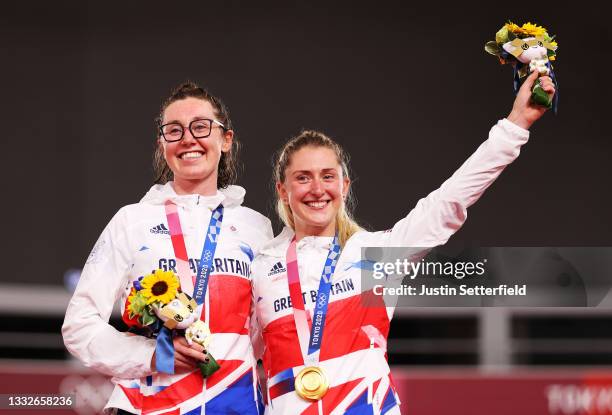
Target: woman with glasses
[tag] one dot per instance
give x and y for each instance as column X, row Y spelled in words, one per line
column 193, row 211
column 325, row 337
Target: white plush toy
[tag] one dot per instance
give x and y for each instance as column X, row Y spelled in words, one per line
column 198, row 333
column 179, row 313
column 527, row 48
column 529, row 51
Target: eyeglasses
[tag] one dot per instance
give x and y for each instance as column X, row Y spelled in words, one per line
column 201, row 128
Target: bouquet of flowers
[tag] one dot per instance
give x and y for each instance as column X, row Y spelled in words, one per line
column 527, row 48
column 156, row 303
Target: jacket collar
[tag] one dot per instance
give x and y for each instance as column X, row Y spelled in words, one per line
column 229, row 196
column 277, row 247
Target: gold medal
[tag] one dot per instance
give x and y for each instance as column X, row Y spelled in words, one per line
column 311, row 383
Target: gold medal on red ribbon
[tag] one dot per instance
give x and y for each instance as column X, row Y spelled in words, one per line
column 311, row 383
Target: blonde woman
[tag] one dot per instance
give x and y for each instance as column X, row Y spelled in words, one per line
column 325, row 352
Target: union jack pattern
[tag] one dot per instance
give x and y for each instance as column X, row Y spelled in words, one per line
column 354, row 345
column 227, row 304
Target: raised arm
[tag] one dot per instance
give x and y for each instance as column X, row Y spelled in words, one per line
column 87, row 334
column 439, row 215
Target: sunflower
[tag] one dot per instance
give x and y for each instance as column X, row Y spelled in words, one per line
column 533, row 29
column 160, row 286
column 514, row 28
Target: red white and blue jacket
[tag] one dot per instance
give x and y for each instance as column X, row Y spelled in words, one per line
column 353, row 351
column 136, row 242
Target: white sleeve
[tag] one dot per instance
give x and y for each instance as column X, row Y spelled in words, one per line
column 264, row 232
column 439, row 215
column 268, row 233
column 254, row 327
column 255, row 332
column 87, row 334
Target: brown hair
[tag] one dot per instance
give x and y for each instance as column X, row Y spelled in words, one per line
column 228, row 164
column 345, row 224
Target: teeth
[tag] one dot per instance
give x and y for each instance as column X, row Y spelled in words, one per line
column 191, row 155
column 317, row 204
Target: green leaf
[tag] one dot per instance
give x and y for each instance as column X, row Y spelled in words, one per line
column 493, row 48
column 147, row 318
column 502, row 35
column 138, row 303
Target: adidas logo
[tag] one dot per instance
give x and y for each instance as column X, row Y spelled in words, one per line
column 161, row 228
column 277, row 269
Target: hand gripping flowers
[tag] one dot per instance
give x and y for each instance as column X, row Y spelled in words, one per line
column 527, row 48
column 156, row 303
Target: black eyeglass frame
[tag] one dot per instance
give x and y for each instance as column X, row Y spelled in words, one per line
column 212, row 122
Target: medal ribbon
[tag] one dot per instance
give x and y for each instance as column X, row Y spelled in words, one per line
column 208, row 252
column 310, row 339
column 178, row 245
column 164, row 349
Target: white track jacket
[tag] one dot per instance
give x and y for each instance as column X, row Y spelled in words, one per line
column 353, row 351
column 136, row 242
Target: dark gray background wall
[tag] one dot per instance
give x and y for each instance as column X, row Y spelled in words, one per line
column 406, row 88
